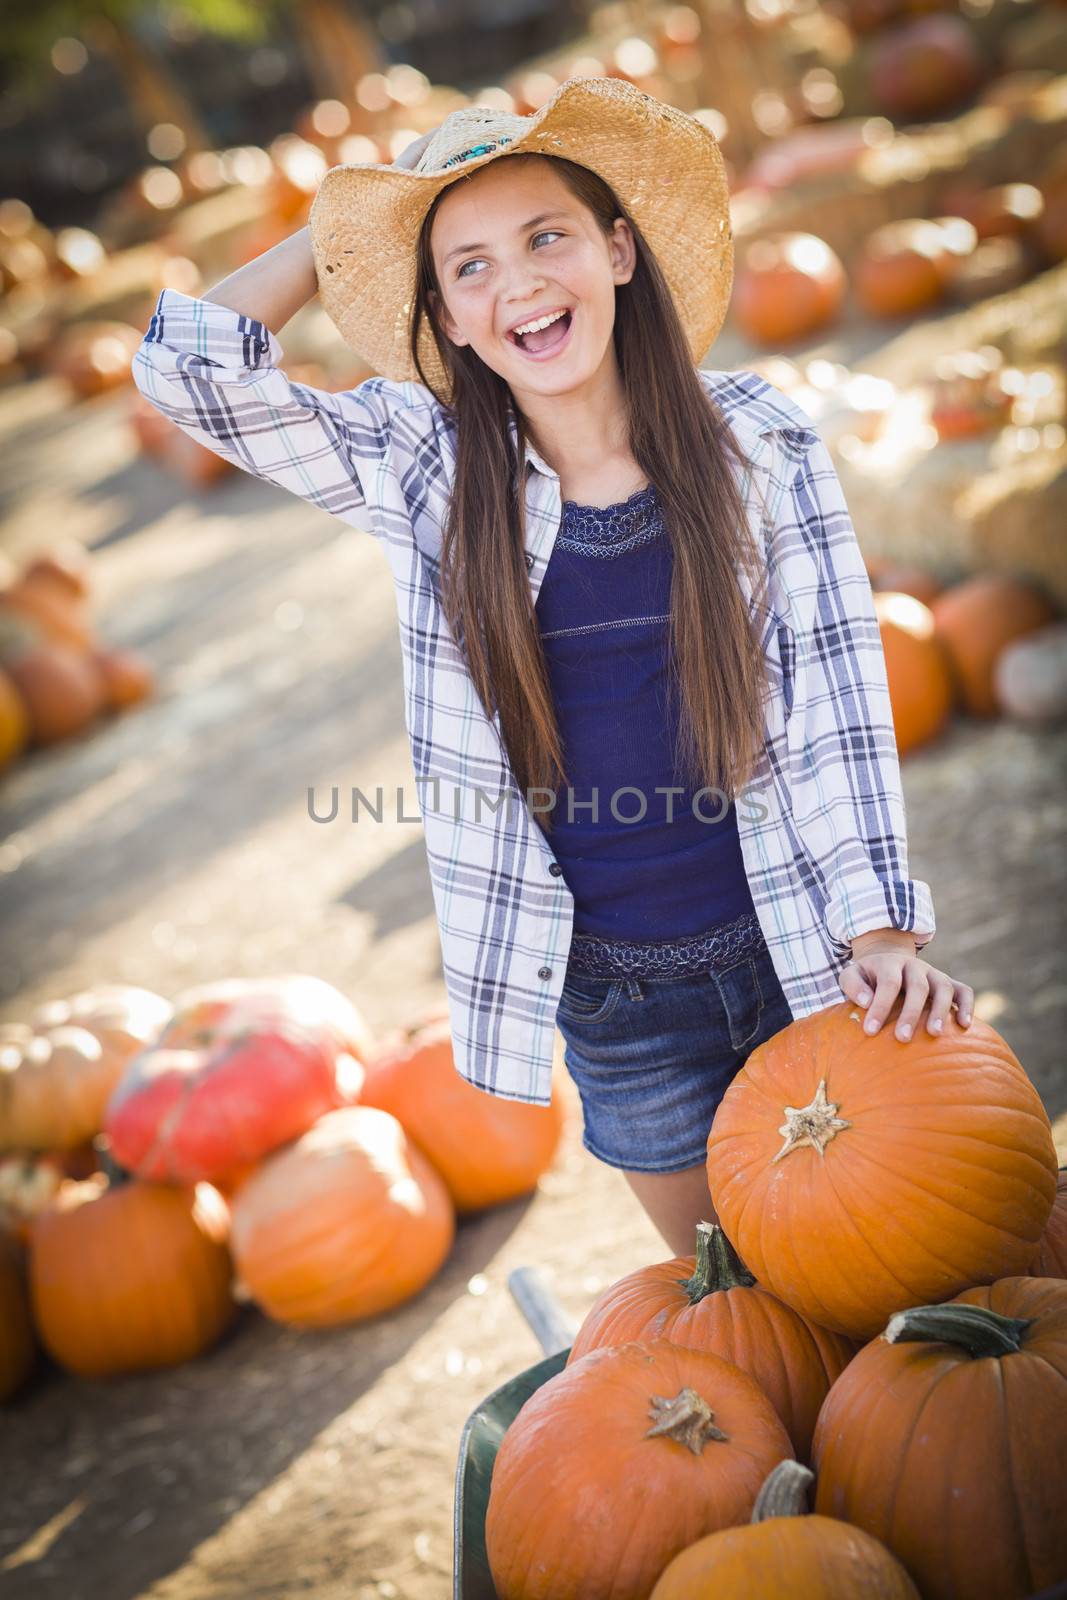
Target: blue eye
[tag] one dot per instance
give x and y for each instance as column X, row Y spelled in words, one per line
column 547, row 233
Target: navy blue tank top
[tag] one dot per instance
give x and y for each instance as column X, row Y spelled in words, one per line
column 643, row 865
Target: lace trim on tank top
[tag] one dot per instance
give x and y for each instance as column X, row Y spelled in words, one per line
column 606, row 531
column 721, row 947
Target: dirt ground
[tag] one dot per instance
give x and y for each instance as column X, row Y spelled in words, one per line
column 174, row 845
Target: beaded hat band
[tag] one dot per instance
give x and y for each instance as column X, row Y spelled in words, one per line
column 664, row 166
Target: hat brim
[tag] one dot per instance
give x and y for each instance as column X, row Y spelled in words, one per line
column 665, row 167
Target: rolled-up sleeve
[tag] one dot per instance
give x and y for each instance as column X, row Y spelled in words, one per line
column 844, row 770
column 215, row 374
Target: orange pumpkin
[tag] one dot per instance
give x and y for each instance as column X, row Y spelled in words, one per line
column 897, row 1172
column 347, row 1221
column 805, row 1557
column 54, row 1085
column 17, row 1346
column 1051, row 1258
column 619, row 1462
column 64, row 566
column 976, row 620
column 921, row 689
column 58, row 1071
column 899, row 271
column 14, row 721
column 56, row 613
column 58, row 685
column 486, row 1149
column 711, row 1301
column 123, row 1016
column 788, row 285
column 128, row 1277
column 127, row 676
column 942, row 1438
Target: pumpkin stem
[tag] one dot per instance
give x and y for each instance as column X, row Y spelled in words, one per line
column 784, row 1492
column 718, row 1265
column 978, row 1331
column 816, row 1124
column 687, row 1418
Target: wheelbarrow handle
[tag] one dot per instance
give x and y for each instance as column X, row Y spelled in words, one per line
column 551, row 1326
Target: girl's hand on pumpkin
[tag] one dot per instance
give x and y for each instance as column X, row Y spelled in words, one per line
column 879, row 971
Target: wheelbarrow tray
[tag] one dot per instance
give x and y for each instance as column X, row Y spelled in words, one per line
column 485, row 1427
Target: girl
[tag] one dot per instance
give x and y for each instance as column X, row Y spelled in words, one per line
column 644, row 684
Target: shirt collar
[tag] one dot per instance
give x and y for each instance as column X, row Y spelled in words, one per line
column 532, row 457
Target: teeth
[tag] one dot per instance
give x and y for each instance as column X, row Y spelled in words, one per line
column 542, row 322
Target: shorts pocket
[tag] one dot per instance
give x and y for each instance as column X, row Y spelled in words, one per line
column 587, row 999
column 742, row 999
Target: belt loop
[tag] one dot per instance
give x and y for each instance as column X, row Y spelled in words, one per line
column 634, row 990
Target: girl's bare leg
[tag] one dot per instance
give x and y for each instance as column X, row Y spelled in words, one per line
column 676, row 1202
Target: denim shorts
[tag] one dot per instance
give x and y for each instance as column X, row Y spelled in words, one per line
column 652, row 1057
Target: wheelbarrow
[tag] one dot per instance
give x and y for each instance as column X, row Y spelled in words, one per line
column 487, row 1424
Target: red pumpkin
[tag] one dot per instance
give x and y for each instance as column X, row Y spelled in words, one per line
column 1051, row 1258
column 487, row 1150
column 243, row 1066
column 897, row 1172
column 346, row 1222
column 618, row 1463
column 710, row 1301
column 944, row 1438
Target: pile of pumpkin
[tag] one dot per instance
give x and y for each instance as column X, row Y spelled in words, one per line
column 252, row 1125
column 900, row 1328
column 989, row 645
column 55, row 676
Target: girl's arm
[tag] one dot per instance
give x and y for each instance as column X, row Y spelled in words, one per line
column 844, row 769
column 211, row 364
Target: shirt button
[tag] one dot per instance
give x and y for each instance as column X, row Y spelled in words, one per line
column 555, row 868
column 529, row 561
column 544, row 972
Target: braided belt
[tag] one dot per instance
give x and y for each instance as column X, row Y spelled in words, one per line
column 718, row 949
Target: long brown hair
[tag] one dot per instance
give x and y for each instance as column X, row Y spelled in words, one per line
column 683, row 445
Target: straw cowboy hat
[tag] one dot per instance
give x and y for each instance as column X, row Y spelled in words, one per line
column 664, row 166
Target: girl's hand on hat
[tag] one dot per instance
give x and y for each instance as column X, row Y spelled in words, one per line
column 408, row 158
column 882, row 966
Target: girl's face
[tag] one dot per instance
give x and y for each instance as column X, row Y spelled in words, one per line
column 512, row 245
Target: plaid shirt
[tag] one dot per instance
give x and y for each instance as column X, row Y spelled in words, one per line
column 821, row 823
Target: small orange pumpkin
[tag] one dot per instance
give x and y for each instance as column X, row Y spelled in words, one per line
column 899, row 272
column 976, row 620
column 921, row 689
column 1051, row 1258
column 805, row 1557
column 788, row 285
column 942, row 1437
column 619, row 1462
column 347, row 1221
column 130, row 1276
column 897, row 1172
column 127, row 676
column 710, row 1301
column 14, row 721
column 486, row 1149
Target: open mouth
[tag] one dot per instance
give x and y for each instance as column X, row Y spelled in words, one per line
column 544, row 342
